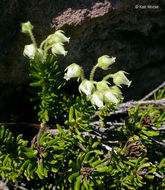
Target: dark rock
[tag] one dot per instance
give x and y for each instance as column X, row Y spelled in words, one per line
column 96, row 27
column 134, row 36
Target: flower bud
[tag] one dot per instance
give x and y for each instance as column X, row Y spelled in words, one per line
column 110, row 97
column 105, row 61
column 102, row 85
column 97, row 99
column 119, row 78
column 86, row 87
column 73, row 71
column 27, row 27
column 58, row 37
column 30, row 51
column 58, row 49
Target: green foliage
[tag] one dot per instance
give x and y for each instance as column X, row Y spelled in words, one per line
column 160, row 94
column 59, row 155
column 69, row 160
column 13, row 152
column 144, row 122
column 79, row 114
column 48, row 81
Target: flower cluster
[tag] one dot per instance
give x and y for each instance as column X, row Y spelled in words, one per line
column 55, row 42
column 99, row 93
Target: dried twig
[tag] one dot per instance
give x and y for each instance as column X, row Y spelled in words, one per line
column 104, row 130
column 115, row 123
column 20, row 187
column 106, row 147
column 158, row 142
column 158, row 175
column 132, row 104
column 81, row 146
column 155, row 90
column 158, row 129
column 96, row 123
column 21, row 124
column 84, row 134
column 112, row 142
column 122, row 108
column 101, row 129
column 87, row 134
column 43, row 129
column 3, row 185
column 110, row 158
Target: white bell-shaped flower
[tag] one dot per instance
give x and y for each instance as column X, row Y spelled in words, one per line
column 119, row 78
column 73, row 71
column 27, row 27
column 97, row 99
column 102, row 85
column 110, row 97
column 115, row 90
column 86, row 87
column 58, row 49
column 58, row 37
column 105, row 61
column 30, row 51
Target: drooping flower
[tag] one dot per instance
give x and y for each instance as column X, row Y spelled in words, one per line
column 102, row 85
column 119, row 78
column 27, row 27
column 73, row 71
column 86, row 87
column 105, row 61
column 30, row 51
column 97, row 99
column 110, row 97
column 58, row 49
column 115, row 90
column 58, row 37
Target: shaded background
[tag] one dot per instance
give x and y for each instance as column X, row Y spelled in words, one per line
column 136, row 36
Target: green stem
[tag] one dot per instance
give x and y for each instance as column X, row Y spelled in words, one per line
column 42, row 44
column 82, row 75
column 92, row 72
column 46, row 41
column 108, row 76
column 46, row 49
column 44, row 95
column 46, row 44
column 32, row 38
